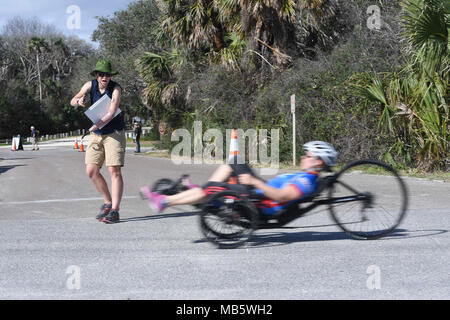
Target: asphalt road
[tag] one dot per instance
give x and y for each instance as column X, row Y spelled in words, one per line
column 51, row 247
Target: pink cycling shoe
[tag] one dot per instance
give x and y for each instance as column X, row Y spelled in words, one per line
column 157, row 202
column 187, row 183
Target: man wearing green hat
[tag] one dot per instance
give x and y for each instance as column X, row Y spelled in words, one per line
column 106, row 145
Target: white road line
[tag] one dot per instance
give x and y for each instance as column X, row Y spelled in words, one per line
column 58, row 200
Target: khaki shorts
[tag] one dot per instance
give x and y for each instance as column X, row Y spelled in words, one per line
column 106, row 148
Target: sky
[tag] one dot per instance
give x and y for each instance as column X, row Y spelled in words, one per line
column 71, row 17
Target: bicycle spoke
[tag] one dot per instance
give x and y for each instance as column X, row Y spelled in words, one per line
column 227, row 220
column 378, row 209
column 346, row 186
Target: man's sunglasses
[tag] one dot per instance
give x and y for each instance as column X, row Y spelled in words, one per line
column 103, row 74
column 309, row 156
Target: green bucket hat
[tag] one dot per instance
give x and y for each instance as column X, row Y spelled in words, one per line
column 104, row 66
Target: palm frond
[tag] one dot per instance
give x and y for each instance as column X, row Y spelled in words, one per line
column 151, row 65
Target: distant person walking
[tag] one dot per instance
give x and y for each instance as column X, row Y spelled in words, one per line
column 106, row 145
column 34, row 138
column 137, row 137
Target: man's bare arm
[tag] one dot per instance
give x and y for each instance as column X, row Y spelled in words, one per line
column 286, row 194
column 80, row 98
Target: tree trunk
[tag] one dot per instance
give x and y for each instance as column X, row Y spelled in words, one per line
column 218, row 41
column 40, row 83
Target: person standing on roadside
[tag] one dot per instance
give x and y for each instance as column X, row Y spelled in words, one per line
column 137, row 137
column 34, row 138
column 107, row 141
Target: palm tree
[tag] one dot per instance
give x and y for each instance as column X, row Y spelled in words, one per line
column 220, row 31
column 415, row 100
column 265, row 25
column 37, row 46
column 427, row 24
column 161, row 73
column 62, row 52
column 194, row 23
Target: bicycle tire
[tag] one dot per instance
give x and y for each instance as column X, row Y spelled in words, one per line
column 385, row 199
column 228, row 220
column 164, row 186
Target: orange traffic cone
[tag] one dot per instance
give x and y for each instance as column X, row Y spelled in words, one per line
column 232, row 180
column 81, row 147
column 234, row 149
column 76, row 144
column 14, row 145
column 233, row 154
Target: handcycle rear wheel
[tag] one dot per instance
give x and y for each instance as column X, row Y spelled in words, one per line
column 227, row 219
column 382, row 199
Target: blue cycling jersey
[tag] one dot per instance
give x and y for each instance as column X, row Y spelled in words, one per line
column 306, row 182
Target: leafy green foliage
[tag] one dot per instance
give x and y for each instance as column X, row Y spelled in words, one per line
column 36, row 67
column 234, row 64
column 414, row 100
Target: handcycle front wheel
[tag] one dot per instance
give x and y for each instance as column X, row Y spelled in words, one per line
column 163, row 186
column 227, row 219
column 368, row 199
column 167, row 186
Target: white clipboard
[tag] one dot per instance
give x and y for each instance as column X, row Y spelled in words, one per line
column 99, row 109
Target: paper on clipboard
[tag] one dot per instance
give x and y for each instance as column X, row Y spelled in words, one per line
column 99, row 109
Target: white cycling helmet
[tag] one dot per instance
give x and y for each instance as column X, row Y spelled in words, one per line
column 323, row 150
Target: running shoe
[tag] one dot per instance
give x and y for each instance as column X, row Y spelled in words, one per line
column 111, row 217
column 104, row 210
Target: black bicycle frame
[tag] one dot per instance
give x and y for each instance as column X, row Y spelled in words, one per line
column 295, row 211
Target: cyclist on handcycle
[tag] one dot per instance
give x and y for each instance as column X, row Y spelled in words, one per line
column 275, row 194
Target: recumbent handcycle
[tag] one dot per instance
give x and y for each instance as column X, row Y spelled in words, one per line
column 367, row 199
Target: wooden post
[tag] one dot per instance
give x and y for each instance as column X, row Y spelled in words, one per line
column 293, row 129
